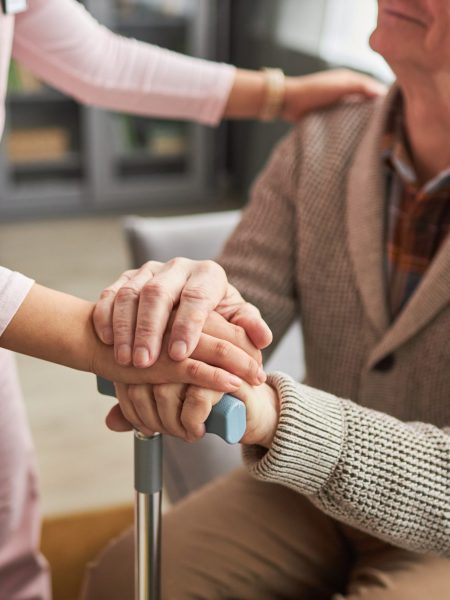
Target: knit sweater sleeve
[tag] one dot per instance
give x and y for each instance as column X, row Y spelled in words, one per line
column 365, row 468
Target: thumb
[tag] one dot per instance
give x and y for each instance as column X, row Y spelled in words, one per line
column 116, row 421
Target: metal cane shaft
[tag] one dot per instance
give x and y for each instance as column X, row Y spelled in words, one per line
column 227, row 420
column 147, row 540
column 148, row 486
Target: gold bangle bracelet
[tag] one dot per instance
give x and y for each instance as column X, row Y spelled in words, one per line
column 275, row 94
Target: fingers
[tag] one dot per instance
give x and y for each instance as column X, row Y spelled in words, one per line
column 204, row 289
column 236, row 310
column 169, row 402
column 171, row 409
column 103, row 311
column 143, row 307
column 249, row 318
column 196, row 408
column 318, row 90
column 360, row 84
column 218, row 327
column 223, row 354
column 132, row 399
column 134, row 313
column 196, row 372
column 158, row 297
column 183, row 410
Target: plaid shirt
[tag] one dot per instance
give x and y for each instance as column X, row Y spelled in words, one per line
column 418, row 216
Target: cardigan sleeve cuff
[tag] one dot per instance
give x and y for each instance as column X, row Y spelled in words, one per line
column 308, row 441
column 14, row 287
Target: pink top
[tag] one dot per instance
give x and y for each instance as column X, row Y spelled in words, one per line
column 63, row 45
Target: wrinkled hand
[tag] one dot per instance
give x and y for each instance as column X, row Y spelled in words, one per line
column 312, row 92
column 223, row 357
column 133, row 313
column 181, row 411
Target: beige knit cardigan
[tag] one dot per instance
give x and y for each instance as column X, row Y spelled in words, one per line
column 368, row 446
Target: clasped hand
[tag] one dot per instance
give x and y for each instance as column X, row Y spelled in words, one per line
column 182, row 323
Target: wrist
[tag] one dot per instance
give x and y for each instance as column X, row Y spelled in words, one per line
column 52, row 326
column 272, row 416
column 296, row 90
column 247, row 95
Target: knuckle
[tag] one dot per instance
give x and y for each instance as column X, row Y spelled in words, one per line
column 183, row 329
column 223, row 349
column 145, row 328
column 210, row 266
column 162, row 394
column 195, row 293
column 196, row 398
column 107, row 293
column 122, row 329
column 178, row 262
column 129, row 274
column 216, row 376
column 194, row 369
column 136, row 393
column 155, row 290
column 127, row 293
column 151, row 263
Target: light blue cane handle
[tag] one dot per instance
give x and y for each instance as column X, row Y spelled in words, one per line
column 227, row 419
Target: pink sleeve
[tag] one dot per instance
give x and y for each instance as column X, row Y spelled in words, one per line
column 13, row 289
column 61, row 43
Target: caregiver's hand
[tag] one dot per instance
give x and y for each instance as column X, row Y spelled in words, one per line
column 181, row 411
column 311, row 92
column 223, row 356
column 58, row 327
column 133, row 313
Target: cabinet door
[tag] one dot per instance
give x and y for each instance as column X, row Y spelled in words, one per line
column 149, row 161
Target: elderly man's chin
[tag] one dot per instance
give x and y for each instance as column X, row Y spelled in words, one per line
column 400, row 43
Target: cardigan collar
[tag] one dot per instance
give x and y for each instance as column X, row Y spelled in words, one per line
column 367, row 230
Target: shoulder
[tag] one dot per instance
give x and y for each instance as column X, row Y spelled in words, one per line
column 336, row 129
column 321, row 146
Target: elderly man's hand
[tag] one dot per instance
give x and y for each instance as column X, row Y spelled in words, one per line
column 133, row 313
column 181, row 411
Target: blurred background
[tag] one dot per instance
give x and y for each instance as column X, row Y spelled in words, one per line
column 61, row 201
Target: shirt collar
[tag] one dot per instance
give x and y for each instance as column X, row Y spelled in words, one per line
column 397, row 155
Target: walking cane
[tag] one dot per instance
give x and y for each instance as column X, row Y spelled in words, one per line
column 227, row 420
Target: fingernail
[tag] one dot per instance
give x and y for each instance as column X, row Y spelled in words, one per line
column 141, row 357
column 107, row 335
column 124, row 354
column 235, row 381
column 261, row 375
column 178, row 350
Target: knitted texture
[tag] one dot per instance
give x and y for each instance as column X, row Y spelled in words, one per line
column 367, row 444
column 360, row 466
